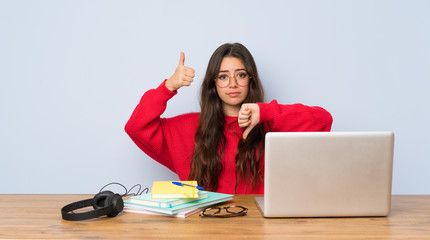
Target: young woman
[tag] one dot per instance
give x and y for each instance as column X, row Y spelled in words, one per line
column 222, row 147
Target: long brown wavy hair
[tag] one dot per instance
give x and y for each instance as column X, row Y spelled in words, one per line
column 210, row 139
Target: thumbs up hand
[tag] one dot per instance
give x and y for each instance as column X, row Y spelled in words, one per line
column 183, row 76
column 249, row 117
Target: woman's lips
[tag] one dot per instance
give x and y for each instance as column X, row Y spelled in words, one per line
column 233, row 94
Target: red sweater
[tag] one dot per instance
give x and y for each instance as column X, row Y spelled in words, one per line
column 170, row 141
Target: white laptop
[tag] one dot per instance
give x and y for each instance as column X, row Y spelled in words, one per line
column 327, row 174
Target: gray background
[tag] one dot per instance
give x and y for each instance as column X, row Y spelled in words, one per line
column 72, row 72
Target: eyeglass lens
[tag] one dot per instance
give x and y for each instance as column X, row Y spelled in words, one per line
column 241, row 78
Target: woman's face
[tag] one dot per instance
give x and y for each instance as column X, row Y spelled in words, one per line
column 233, row 93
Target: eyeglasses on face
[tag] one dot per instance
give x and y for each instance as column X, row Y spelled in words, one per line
column 230, row 211
column 223, row 79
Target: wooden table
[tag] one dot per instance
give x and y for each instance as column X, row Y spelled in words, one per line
column 38, row 216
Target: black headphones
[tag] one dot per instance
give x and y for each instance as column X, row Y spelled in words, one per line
column 104, row 203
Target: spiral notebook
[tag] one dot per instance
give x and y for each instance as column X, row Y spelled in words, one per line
column 166, row 189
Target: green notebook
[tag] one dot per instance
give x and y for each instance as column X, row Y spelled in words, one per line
column 145, row 199
column 211, row 199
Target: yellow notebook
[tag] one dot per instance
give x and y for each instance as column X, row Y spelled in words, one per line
column 166, row 189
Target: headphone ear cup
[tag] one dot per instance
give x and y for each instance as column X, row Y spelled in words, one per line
column 106, row 199
column 117, row 205
column 102, row 199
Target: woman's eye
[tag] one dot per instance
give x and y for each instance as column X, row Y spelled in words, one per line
column 242, row 75
column 222, row 77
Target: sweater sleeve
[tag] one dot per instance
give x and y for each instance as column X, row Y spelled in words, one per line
column 145, row 125
column 295, row 117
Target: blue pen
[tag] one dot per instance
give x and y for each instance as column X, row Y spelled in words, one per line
column 188, row 185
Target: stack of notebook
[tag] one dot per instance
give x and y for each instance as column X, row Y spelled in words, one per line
column 174, row 200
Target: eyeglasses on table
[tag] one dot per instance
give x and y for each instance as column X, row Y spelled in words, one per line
column 230, row 211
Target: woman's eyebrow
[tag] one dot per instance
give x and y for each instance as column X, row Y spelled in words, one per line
column 240, row 69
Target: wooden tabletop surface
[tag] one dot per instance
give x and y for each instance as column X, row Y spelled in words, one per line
column 38, row 216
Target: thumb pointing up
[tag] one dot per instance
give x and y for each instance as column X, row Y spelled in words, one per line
column 183, row 76
column 182, row 59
